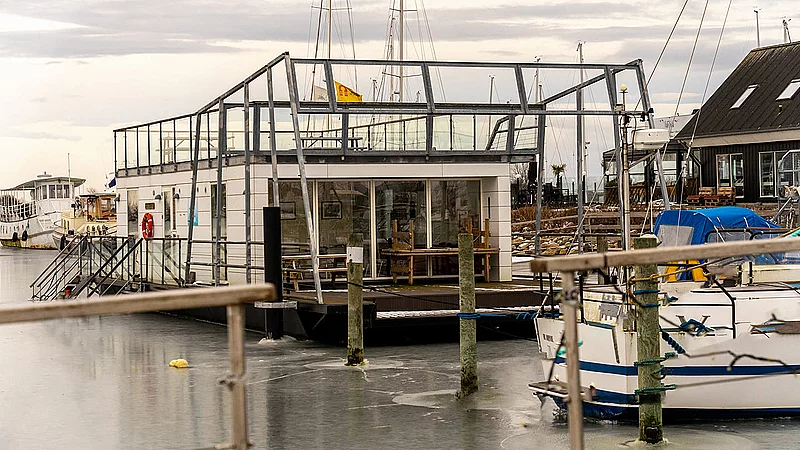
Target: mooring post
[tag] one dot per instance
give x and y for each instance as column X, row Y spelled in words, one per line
column 236, row 381
column 648, row 350
column 355, row 299
column 467, row 325
column 570, row 302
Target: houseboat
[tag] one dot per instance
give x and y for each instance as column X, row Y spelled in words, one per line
column 30, row 211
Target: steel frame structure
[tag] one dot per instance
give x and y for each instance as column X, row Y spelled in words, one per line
column 427, row 111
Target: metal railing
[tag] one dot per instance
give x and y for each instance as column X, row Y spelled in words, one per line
column 232, row 298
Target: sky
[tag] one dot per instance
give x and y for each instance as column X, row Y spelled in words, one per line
column 73, row 70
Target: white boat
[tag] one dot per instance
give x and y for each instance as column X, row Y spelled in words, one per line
column 90, row 215
column 30, row 211
column 737, row 337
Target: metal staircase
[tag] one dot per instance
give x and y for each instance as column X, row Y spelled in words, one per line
column 94, row 265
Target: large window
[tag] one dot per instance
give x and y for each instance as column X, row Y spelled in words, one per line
column 223, row 226
column 294, row 231
column 454, row 204
column 781, row 166
column 344, row 208
column 766, row 162
column 404, row 202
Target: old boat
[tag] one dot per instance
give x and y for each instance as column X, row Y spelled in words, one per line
column 92, row 214
column 736, row 336
column 30, row 211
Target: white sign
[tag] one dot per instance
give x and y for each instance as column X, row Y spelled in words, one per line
column 355, row 255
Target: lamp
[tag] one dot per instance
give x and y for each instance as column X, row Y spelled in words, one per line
column 157, row 197
column 176, row 196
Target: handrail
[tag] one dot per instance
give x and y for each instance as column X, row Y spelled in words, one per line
column 662, row 255
column 69, row 248
column 97, row 273
column 231, row 297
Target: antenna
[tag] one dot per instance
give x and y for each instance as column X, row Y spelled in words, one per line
column 756, row 9
column 787, row 38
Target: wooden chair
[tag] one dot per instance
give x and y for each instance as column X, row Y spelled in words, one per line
column 402, row 240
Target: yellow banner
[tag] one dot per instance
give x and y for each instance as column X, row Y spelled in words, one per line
column 345, row 94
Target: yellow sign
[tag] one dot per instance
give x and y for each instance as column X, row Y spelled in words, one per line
column 345, row 94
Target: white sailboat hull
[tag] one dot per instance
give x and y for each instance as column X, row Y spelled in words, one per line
column 706, row 386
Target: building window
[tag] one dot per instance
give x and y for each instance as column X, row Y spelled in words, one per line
column 294, row 231
column 744, row 96
column 766, row 162
column 730, row 172
column 790, row 90
column 401, row 201
column 723, row 171
column 344, row 209
column 133, row 212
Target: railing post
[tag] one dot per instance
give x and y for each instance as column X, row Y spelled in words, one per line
column 355, row 304
column 236, row 382
column 648, row 349
column 570, row 302
column 467, row 325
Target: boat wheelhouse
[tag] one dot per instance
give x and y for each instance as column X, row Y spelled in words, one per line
column 30, row 210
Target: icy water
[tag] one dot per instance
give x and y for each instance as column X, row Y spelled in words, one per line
column 105, row 383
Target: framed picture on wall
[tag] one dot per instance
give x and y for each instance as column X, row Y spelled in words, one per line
column 287, row 211
column 331, row 210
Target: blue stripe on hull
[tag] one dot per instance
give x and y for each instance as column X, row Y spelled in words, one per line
column 623, row 407
column 737, row 370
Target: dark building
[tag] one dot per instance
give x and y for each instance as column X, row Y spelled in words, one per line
column 743, row 136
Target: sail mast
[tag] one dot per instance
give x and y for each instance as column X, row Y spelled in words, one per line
column 580, row 173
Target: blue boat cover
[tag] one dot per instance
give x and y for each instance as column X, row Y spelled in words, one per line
column 673, row 227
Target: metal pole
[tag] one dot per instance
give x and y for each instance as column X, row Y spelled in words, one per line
column 645, row 94
column 467, row 325
column 580, row 149
column 273, row 146
column 540, row 119
column 236, row 379
column 647, row 345
column 291, row 78
column 402, row 45
column 758, row 30
column 355, row 303
column 222, row 143
column 571, row 303
column 612, row 100
column 247, row 231
column 192, row 200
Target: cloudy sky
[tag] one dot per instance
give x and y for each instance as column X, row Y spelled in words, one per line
column 72, row 70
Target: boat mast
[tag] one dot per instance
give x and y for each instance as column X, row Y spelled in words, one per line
column 581, row 145
column 402, row 26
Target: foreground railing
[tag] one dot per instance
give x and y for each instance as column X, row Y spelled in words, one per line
column 231, row 297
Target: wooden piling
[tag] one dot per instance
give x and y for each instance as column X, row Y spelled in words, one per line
column 355, row 304
column 467, row 326
column 648, row 348
column 570, row 303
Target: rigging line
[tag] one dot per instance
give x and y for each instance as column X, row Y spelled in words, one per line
column 683, row 87
column 433, row 47
column 664, row 49
column 686, row 160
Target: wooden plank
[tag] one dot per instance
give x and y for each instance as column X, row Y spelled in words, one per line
column 134, row 303
column 664, row 255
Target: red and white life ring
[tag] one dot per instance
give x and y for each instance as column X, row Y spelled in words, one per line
column 147, row 226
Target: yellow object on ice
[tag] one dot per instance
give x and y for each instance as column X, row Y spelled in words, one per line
column 179, row 363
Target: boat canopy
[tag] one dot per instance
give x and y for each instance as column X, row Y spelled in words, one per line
column 726, row 223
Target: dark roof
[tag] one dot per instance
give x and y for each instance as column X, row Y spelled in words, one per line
column 772, row 69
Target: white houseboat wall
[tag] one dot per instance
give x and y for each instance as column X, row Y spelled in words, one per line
column 442, row 162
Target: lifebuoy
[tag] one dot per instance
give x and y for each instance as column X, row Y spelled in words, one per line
column 147, row 226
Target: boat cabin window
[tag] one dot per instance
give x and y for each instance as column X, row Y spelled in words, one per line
column 52, row 190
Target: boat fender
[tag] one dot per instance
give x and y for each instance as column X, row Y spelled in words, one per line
column 147, row 226
column 25, row 235
column 179, row 363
